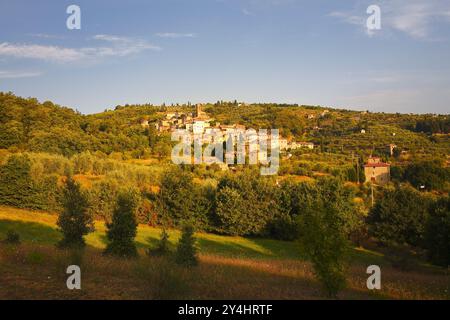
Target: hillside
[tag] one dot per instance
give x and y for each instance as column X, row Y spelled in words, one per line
column 27, row 125
column 244, row 268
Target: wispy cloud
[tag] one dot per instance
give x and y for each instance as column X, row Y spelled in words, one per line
column 118, row 47
column 175, row 35
column 415, row 18
column 41, row 52
column 46, row 36
column 18, row 74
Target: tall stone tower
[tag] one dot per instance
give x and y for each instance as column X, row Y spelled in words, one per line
column 199, row 112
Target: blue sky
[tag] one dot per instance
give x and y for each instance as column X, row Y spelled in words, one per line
column 308, row 52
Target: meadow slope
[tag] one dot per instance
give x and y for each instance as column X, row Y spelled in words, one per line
column 230, row 268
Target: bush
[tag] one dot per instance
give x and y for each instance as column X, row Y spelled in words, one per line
column 12, row 237
column 186, row 254
column 123, row 228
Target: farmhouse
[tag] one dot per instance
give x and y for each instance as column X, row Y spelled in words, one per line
column 376, row 171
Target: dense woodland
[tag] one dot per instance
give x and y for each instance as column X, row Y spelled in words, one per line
column 42, row 145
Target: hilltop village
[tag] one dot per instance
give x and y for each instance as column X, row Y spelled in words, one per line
column 198, row 122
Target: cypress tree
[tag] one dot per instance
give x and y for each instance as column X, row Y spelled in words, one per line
column 123, row 228
column 74, row 221
column 186, row 254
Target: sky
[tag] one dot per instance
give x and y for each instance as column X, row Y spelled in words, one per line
column 317, row 52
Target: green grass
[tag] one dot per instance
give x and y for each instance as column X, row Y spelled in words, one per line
column 277, row 268
column 40, row 227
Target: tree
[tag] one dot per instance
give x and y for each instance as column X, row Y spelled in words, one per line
column 176, row 195
column 232, row 210
column 15, row 182
column 245, row 204
column 74, row 221
column 399, row 216
column 438, row 232
column 429, row 174
column 162, row 149
column 123, row 228
column 186, row 254
column 324, row 240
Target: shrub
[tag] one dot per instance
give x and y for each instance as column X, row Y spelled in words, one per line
column 74, row 221
column 186, row 254
column 123, row 228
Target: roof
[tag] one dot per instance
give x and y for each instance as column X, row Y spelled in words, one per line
column 378, row 164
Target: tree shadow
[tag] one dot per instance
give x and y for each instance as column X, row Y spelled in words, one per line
column 30, row 231
column 232, row 249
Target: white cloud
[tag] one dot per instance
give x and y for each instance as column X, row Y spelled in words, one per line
column 46, row 36
column 18, row 74
column 415, row 18
column 118, row 47
column 176, row 35
column 35, row 51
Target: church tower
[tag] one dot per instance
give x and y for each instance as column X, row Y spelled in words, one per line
column 198, row 110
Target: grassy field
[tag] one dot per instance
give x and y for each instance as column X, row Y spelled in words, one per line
column 230, row 268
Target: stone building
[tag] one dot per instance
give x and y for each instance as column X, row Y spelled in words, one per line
column 377, row 171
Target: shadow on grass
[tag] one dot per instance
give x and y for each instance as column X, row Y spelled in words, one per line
column 254, row 248
column 30, row 231
column 253, row 280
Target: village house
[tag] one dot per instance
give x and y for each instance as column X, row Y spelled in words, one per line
column 297, row 145
column 283, row 143
column 377, row 171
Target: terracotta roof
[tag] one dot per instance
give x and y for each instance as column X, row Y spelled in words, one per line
column 378, row 164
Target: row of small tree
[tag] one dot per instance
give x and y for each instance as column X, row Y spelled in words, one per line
column 75, row 222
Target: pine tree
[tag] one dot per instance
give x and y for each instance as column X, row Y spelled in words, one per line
column 74, row 221
column 186, row 254
column 123, row 228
